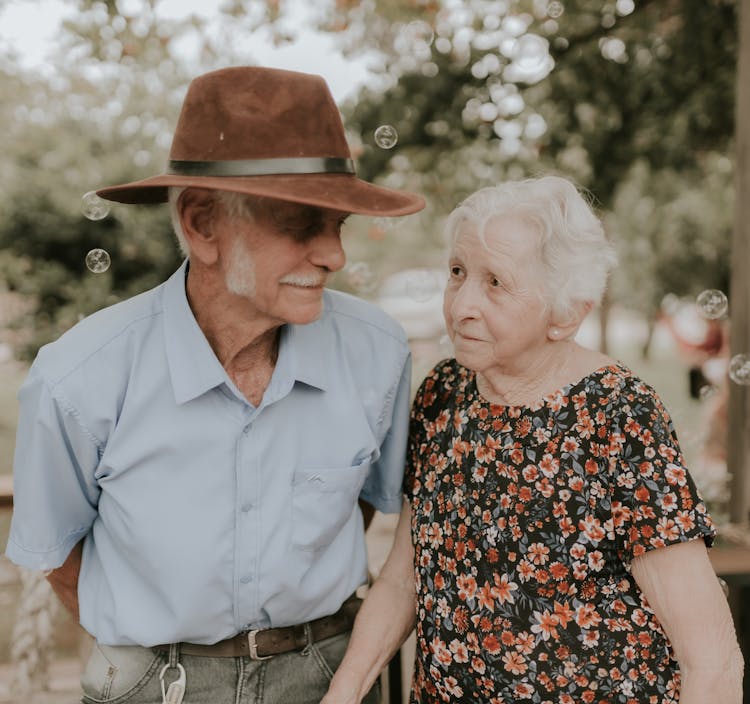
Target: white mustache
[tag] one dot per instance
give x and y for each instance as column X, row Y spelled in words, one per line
column 307, row 281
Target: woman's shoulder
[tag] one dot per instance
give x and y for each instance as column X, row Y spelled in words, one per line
column 445, row 379
column 631, row 398
column 448, row 373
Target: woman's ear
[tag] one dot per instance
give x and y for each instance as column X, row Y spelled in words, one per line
column 565, row 327
column 198, row 211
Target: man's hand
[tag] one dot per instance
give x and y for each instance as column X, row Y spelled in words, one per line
column 64, row 580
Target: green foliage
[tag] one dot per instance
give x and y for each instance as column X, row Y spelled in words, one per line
column 638, row 108
column 74, row 139
column 673, row 229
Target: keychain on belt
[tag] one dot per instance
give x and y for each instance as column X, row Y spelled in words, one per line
column 174, row 693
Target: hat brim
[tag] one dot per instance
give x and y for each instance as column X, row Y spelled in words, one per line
column 344, row 192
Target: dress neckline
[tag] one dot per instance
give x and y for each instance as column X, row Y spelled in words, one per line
column 498, row 409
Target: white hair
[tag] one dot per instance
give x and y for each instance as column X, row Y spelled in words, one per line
column 237, row 205
column 575, row 253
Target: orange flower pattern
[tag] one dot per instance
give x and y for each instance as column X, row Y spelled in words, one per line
column 524, row 523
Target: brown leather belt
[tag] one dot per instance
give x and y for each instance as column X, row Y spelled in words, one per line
column 264, row 643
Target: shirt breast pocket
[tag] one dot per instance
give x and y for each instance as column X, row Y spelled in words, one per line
column 323, row 501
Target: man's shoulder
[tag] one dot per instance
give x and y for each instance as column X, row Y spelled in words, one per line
column 352, row 312
column 114, row 325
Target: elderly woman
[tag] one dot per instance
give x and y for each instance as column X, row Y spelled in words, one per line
column 552, row 539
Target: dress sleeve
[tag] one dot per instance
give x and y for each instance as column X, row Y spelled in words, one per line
column 55, row 494
column 418, row 423
column 654, row 499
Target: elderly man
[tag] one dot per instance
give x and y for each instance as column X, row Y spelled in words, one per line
column 189, row 461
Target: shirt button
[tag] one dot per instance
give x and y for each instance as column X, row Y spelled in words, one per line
column 246, row 429
column 246, row 579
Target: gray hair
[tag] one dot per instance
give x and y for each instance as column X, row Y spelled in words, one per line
column 239, row 206
column 575, row 253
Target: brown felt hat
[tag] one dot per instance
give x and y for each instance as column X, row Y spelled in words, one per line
column 265, row 132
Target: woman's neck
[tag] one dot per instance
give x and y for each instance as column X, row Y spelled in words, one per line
column 558, row 364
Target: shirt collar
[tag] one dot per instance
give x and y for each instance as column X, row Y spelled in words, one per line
column 193, row 366
column 305, row 351
column 311, row 349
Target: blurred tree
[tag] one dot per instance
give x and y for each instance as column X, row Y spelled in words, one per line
column 622, row 94
column 640, row 98
column 73, row 140
column 105, row 115
column 675, row 230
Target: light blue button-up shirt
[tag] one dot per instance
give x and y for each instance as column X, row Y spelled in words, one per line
column 203, row 515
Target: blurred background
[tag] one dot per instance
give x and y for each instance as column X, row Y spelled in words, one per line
column 634, row 100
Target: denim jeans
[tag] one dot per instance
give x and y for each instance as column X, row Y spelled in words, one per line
column 130, row 674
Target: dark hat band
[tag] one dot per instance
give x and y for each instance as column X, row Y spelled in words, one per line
column 263, row 167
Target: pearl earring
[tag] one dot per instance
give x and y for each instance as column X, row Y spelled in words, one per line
column 554, row 333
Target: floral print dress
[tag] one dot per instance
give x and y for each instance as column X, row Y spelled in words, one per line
column 524, row 522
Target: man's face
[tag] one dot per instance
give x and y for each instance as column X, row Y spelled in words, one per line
column 281, row 260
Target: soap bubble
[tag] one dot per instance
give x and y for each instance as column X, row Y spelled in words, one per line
column 739, row 369
column 707, row 391
column 386, row 136
column 446, row 346
column 555, row 9
column 712, row 303
column 98, row 261
column 422, row 286
column 386, row 223
column 360, row 277
column 420, row 32
column 93, row 207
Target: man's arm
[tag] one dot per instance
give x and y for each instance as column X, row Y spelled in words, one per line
column 64, row 580
column 368, row 511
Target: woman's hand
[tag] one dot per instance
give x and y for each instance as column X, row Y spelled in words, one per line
column 385, row 620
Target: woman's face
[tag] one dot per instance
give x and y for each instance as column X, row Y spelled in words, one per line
column 493, row 306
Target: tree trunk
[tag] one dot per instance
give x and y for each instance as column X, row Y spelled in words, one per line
column 651, row 327
column 604, row 310
column 738, row 440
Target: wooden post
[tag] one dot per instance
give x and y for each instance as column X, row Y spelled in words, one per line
column 738, row 441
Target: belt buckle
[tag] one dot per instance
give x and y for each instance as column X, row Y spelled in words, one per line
column 253, row 646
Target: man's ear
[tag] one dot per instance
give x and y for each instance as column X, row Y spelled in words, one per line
column 198, row 211
column 566, row 326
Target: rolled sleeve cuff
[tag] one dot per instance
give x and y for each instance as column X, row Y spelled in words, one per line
column 384, row 504
column 43, row 559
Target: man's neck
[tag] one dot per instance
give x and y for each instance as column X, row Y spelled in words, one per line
column 245, row 342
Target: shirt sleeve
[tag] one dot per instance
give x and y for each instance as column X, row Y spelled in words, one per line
column 382, row 487
column 55, row 494
column 655, row 502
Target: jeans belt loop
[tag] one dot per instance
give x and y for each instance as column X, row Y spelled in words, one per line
column 253, row 646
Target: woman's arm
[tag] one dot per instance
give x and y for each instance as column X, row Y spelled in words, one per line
column 385, row 620
column 682, row 588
